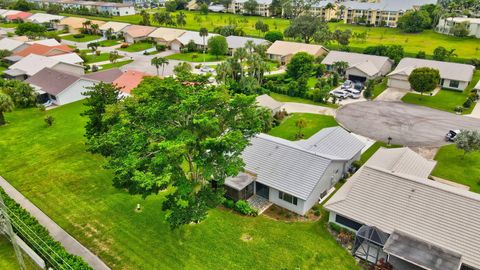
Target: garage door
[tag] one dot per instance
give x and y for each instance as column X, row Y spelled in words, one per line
column 355, row 78
column 396, row 83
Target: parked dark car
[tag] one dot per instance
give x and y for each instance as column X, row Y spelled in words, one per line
column 450, row 136
column 358, row 86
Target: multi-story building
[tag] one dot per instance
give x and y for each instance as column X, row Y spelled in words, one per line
column 114, row 9
column 446, row 24
column 380, row 13
column 325, row 9
column 263, row 7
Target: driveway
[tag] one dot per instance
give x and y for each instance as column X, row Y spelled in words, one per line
column 406, row 124
column 392, row 94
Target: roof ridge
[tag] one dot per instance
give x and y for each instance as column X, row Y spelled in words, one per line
column 295, row 146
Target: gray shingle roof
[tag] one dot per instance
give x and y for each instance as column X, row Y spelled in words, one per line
column 448, row 70
column 235, row 42
column 52, row 81
column 107, row 76
column 370, row 64
column 434, row 212
column 268, row 102
column 334, row 142
column 283, row 165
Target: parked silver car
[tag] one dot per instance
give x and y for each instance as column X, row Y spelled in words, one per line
column 353, row 93
column 340, row 94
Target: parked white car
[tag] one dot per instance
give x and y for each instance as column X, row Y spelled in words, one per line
column 207, row 69
column 341, row 94
column 353, row 93
column 347, row 84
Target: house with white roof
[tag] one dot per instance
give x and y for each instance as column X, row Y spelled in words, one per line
column 235, row 42
column 401, row 216
column 70, row 58
column 116, row 28
column 178, row 43
column 9, row 12
column 31, row 64
column 12, row 45
column 361, row 67
column 44, row 18
column 268, row 102
column 294, row 175
column 453, row 76
column 445, row 25
column 165, row 36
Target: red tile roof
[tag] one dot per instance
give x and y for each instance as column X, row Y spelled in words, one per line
column 44, row 50
column 19, row 16
column 129, row 80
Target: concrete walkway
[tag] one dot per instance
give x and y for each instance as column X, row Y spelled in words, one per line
column 392, row 94
column 293, row 107
column 475, row 112
column 70, row 243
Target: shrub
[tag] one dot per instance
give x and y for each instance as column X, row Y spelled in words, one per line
column 345, row 237
column 467, row 103
column 335, row 227
column 273, row 36
column 198, row 66
column 458, row 109
column 41, row 107
column 78, row 36
column 230, row 204
column 317, row 212
column 124, row 45
column 94, row 68
column 161, row 47
column 244, row 208
column 49, row 120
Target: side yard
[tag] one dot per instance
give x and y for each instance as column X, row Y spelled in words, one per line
column 314, row 123
column 50, row 166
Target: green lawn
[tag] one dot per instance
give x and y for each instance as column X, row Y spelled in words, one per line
column 51, row 167
column 196, row 57
column 137, row 47
column 452, row 166
column 93, row 58
column 370, row 151
column 116, row 65
column 379, row 88
column 8, row 25
column 8, row 260
column 285, row 98
column 315, row 122
column 445, row 100
column 426, row 41
column 86, row 38
column 108, row 43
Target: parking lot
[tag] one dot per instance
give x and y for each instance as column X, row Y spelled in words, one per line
column 406, row 124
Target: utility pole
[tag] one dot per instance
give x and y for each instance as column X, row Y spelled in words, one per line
column 6, row 228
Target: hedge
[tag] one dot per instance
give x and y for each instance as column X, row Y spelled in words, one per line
column 38, row 238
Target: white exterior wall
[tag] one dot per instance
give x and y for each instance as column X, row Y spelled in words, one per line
column 175, row 45
column 444, row 27
column 73, row 69
column 299, row 208
column 386, row 68
column 461, row 86
column 73, row 92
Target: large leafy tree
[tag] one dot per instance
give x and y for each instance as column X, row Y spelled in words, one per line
column 414, row 21
column 250, row 6
column 6, row 105
column 424, row 79
column 22, row 94
column 182, row 139
column 217, row 46
column 305, row 27
column 468, row 141
column 300, row 65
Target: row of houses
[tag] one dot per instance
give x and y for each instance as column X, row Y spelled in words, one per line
column 112, row 8
column 377, row 13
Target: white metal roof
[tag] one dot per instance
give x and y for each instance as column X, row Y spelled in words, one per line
column 195, row 36
column 43, row 18
column 268, row 102
column 115, row 26
column 10, row 44
column 387, row 5
column 369, row 64
column 71, row 58
column 284, row 48
column 448, row 70
column 235, row 42
column 46, row 42
column 437, row 213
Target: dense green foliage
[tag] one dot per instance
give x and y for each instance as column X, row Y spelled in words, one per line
column 314, row 123
column 424, row 79
column 273, row 36
column 22, row 94
column 394, row 52
column 217, row 46
column 29, row 29
column 414, row 21
column 300, row 65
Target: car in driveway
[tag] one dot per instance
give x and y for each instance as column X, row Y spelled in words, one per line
column 346, row 84
column 207, row 69
column 353, row 93
column 451, row 135
column 341, row 94
column 359, row 86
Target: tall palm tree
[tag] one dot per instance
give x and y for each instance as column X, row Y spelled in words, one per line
column 224, row 70
column 6, row 105
column 95, row 28
column 159, row 62
column 86, row 24
column 203, row 33
column 241, row 54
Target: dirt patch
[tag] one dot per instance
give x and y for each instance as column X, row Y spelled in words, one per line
column 282, row 214
column 246, row 237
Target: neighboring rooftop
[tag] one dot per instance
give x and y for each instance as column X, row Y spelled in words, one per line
column 10, row 44
column 370, row 64
column 268, row 102
column 464, row 19
column 115, row 26
column 71, row 58
column 167, row 34
column 448, row 70
column 18, row 16
column 387, row 5
column 129, row 80
column 235, row 42
column 284, row 48
column 136, row 31
column 52, row 81
column 107, row 76
column 40, row 49
column 44, row 18
column 46, row 42
column 195, row 36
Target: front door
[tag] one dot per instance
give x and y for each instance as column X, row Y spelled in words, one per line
column 262, row 190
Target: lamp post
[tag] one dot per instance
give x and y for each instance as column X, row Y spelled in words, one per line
column 389, row 141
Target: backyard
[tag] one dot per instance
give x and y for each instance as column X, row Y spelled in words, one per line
column 81, row 37
column 8, row 260
column 315, row 122
column 51, row 167
column 426, row 41
column 196, row 57
column 451, row 165
column 445, row 100
column 108, row 43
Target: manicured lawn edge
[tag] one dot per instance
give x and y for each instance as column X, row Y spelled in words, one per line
column 285, row 98
column 315, row 122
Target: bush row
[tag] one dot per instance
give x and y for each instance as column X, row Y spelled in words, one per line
column 38, row 238
column 240, row 206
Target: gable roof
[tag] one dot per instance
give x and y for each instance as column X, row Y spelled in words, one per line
column 136, row 31
column 235, row 42
column 46, row 42
column 77, row 22
column 448, row 70
column 434, row 212
column 115, row 26
column 33, row 63
column 195, row 36
column 167, row 34
column 71, row 58
column 268, row 102
column 44, row 18
column 333, row 142
column 40, row 49
column 52, row 81
column 18, row 16
column 369, row 64
column 284, row 48
column 283, row 165
column 10, row 44
column 107, row 76
column 10, row 12
column 129, row 80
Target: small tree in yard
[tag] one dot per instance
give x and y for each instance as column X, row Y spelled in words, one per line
column 424, row 79
column 49, row 120
column 300, row 124
column 368, row 93
column 6, row 105
column 300, row 65
column 93, row 46
column 217, row 46
column 114, row 56
column 468, row 141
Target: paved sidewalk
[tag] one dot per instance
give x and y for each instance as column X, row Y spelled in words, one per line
column 476, row 111
column 293, row 107
column 70, row 243
column 392, row 94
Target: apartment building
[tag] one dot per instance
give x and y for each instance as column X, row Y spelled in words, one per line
column 325, row 9
column 263, row 7
column 114, row 9
column 445, row 24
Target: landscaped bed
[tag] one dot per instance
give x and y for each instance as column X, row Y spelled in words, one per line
column 196, row 57
column 137, row 47
column 451, row 165
column 74, row 189
column 315, row 122
column 81, row 37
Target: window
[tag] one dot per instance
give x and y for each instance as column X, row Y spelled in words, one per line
column 347, row 222
column 287, row 197
column 454, row 84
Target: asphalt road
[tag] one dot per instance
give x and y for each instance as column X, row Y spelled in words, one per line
column 406, row 124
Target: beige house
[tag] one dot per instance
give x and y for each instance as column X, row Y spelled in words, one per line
column 135, row 33
column 453, row 75
column 115, row 27
column 75, row 24
column 166, row 36
column 282, row 51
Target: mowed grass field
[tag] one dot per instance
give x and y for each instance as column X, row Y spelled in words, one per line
column 315, row 122
column 8, row 260
column 426, row 41
column 51, row 167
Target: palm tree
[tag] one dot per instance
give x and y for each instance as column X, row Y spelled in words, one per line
column 159, row 62
column 113, row 56
column 95, row 28
column 250, row 46
column 6, row 105
column 223, row 70
column 203, row 33
column 241, row 54
column 86, row 24
column 181, row 19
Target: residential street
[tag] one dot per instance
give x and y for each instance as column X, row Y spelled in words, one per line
column 406, row 124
